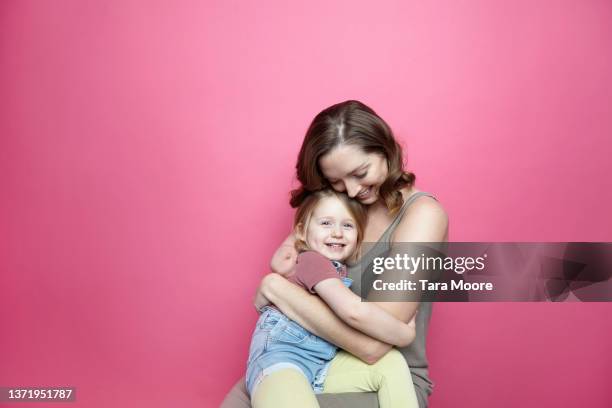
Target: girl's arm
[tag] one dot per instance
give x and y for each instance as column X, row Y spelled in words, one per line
column 315, row 316
column 367, row 317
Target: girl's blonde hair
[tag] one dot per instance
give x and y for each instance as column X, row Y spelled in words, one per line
column 308, row 205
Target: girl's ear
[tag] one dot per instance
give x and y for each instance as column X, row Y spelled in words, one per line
column 299, row 232
column 300, row 238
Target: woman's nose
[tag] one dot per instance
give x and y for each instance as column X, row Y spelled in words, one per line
column 352, row 189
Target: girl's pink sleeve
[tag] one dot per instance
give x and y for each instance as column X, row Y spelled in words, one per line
column 312, row 268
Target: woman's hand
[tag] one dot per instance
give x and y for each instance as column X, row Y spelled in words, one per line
column 260, row 300
column 412, row 322
column 284, row 259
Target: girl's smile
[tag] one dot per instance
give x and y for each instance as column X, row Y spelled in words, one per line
column 331, row 230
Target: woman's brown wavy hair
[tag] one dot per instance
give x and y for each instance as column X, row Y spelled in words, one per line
column 351, row 123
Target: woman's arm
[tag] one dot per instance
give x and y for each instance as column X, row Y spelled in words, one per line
column 366, row 317
column 425, row 221
column 315, row 316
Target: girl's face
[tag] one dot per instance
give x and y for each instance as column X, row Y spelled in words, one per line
column 331, row 230
column 350, row 169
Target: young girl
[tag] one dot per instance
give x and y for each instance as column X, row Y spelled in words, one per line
column 329, row 228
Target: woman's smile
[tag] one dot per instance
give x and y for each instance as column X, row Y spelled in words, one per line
column 364, row 194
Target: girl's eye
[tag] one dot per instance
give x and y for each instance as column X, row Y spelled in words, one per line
column 325, row 223
column 348, row 226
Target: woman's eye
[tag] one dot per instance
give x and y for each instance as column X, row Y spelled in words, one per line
column 360, row 176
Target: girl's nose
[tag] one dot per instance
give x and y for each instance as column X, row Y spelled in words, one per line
column 337, row 231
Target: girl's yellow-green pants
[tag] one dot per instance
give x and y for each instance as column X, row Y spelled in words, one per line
column 389, row 378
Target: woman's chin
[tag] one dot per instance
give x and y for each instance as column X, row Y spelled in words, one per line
column 369, row 200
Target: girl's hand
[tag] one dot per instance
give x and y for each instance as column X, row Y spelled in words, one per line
column 284, row 259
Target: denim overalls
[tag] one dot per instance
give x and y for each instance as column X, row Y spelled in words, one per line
column 279, row 343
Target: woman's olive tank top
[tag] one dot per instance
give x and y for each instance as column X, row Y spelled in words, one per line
column 414, row 353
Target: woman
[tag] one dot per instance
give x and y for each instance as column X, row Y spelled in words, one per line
column 350, row 148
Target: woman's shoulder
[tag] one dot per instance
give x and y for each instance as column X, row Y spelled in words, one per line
column 425, row 220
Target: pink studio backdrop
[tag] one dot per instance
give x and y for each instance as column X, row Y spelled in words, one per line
column 147, row 149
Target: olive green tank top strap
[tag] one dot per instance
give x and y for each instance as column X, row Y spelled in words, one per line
column 386, row 236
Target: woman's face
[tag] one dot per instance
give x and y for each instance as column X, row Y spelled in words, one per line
column 331, row 230
column 350, row 169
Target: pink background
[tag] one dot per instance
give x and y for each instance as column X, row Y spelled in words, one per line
column 147, row 149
